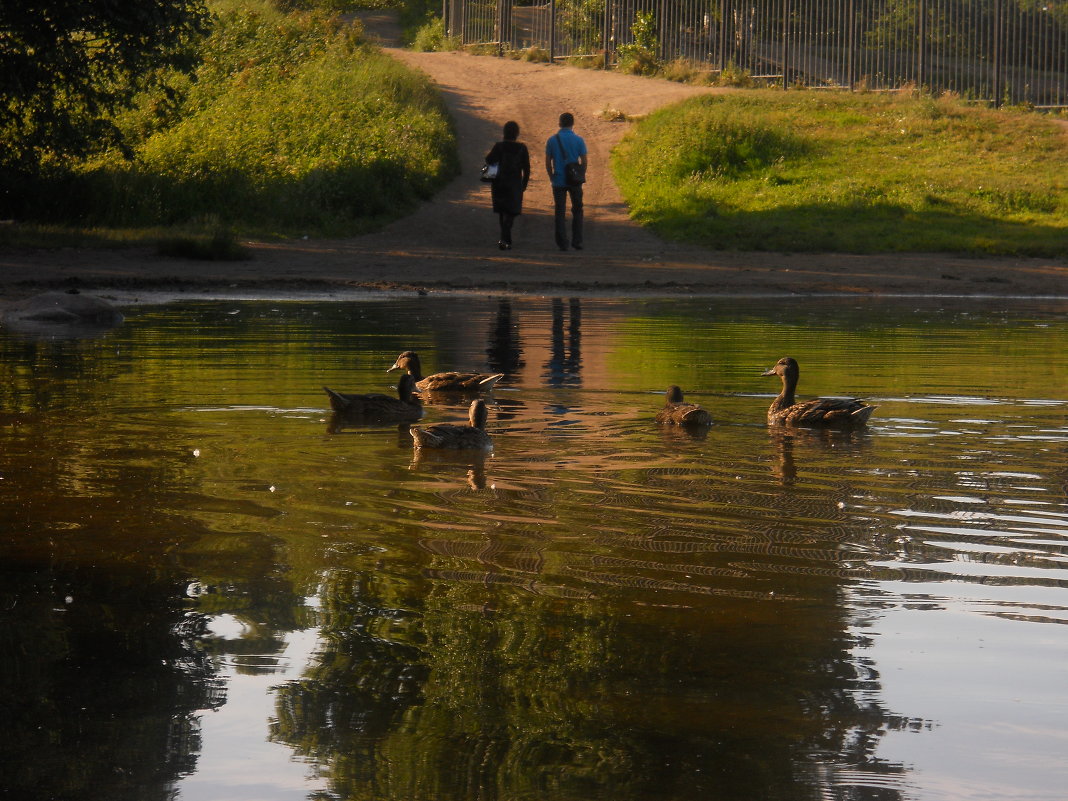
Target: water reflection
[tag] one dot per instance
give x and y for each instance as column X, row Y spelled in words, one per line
column 601, row 608
column 565, row 363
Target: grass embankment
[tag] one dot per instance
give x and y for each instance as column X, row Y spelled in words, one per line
column 294, row 125
column 861, row 173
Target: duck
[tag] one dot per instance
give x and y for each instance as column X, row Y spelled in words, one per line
column 447, row 436
column 784, row 410
column 444, row 382
column 406, row 406
column 677, row 412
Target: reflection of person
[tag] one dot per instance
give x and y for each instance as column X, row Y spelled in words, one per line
column 513, row 175
column 563, row 148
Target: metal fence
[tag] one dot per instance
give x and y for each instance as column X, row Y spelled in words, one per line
column 1004, row 51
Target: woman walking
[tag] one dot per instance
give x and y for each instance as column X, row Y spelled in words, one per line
column 513, row 175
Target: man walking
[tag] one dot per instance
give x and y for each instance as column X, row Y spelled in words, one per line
column 563, row 148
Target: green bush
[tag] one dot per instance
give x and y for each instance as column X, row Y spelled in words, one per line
column 639, row 57
column 293, row 125
column 431, row 38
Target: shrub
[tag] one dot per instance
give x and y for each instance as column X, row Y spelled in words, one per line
column 431, row 37
column 640, row 56
column 294, row 124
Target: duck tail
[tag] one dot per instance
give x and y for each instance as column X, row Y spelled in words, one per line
column 338, row 402
column 488, row 383
column 424, row 438
column 697, row 417
column 861, row 415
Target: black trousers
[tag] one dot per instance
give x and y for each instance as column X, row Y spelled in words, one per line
column 560, row 195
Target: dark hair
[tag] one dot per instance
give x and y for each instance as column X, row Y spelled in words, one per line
column 567, row 119
column 511, row 130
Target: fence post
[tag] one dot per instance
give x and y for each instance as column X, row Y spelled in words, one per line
column 722, row 35
column 606, row 34
column 552, row 31
column 785, row 44
column 851, row 43
column 921, row 48
column 997, row 55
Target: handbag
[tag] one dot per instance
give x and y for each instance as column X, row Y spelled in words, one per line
column 489, row 173
column 574, row 173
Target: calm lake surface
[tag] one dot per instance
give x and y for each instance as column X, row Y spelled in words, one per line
column 211, row 591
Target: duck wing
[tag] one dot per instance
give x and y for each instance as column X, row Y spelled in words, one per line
column 684, row 414
column 829, row 411
column 448, row 436
column 373, row 406
column 458, row 382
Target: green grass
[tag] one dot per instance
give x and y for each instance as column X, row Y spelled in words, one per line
column 293, row 126
column 861, row 173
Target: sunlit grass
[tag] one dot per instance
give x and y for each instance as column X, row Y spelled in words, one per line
column 807, row 171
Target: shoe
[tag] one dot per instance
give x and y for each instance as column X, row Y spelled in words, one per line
column 504, row 246
column 577, row 247
column 563, row 248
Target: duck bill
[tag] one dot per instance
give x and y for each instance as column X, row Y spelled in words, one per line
column 394, row 367
column 769, row 372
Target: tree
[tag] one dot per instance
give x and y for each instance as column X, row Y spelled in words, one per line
column 67, row 65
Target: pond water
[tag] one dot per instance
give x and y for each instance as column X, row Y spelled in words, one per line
column 211, row 591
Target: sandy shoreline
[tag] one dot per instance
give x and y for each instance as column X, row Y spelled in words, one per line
column 449, row 243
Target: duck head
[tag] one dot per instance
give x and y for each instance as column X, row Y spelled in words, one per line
column 674, row 394
column 786, row 368
column 408, row 361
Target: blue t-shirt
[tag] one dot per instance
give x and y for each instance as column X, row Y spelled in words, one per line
column 573, row 147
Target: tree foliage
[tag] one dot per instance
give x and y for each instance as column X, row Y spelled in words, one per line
column 67, row 65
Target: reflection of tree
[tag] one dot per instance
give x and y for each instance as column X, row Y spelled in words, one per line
column 499, row 696
column 103, row 673
column 365, row 679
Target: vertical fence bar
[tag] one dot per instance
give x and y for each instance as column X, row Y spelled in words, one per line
column 552, row 31
column 785, row 45
column 851, row 44
column 921, row 44
column 606, row 34
column 996, row 55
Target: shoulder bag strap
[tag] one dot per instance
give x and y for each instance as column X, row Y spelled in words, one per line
column 563, row 150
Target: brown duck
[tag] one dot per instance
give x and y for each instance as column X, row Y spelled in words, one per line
column 678, row 412
column 453, row 437
column 784, row 410
column 405, row 406
column 444, row 382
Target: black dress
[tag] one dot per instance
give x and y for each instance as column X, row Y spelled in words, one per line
column 513, row 175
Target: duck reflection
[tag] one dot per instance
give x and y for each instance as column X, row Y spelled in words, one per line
column 816, row 442
column 452, row 462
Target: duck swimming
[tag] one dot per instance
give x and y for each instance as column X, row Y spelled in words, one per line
column 444, row 382
column 405, row 406
column 678, row 412
column 784, row 410
column 453, row 437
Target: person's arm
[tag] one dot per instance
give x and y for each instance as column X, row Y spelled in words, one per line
column 549, row 164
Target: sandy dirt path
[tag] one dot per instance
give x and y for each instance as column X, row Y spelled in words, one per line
column 449, row 243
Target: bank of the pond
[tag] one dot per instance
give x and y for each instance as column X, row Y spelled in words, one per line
column 290, row 269
column 449, row 243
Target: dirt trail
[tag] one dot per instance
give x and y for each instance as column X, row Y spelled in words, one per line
column 450, row 242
